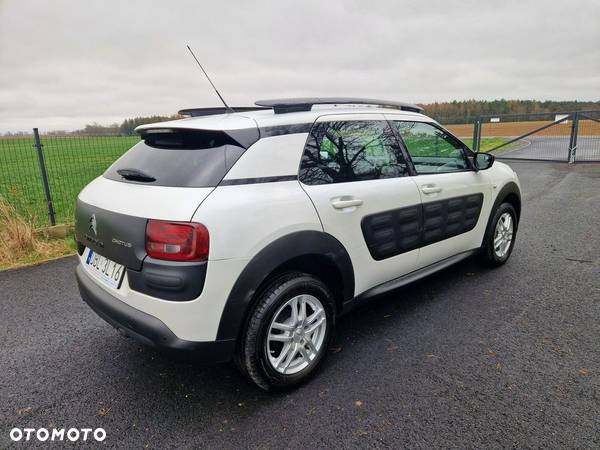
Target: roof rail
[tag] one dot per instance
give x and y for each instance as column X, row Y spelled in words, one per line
column 196, row 112
column 287, row 105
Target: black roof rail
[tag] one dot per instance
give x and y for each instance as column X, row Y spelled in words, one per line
column 287, row 105
column 197, row 112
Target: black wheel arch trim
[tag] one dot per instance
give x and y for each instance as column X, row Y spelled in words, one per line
column 508, row 189
column 269, row 260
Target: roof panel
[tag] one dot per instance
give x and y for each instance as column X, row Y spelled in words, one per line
column 265, row 117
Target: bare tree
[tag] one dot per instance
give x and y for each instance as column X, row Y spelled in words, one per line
column 350, row 141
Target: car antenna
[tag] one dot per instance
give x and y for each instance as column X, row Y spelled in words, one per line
column 228, row 108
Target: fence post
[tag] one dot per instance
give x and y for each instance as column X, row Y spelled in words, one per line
column 573, row 140
column 476, row 134
column 40, row 153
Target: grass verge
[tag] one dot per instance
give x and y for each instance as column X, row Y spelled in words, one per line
column 20, row 243
column 486, row 144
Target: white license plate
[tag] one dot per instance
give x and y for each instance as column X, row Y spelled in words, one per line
column 102, row 268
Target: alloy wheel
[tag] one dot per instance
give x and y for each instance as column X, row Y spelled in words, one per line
column 503, row 235
column 296, row 334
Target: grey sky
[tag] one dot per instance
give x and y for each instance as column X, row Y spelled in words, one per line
column 65, row 63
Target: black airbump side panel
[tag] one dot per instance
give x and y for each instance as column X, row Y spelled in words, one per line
column 447, row 218
column 393, row 232
column 397, row 231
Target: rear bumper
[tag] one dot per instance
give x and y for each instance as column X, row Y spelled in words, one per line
column 148, row 329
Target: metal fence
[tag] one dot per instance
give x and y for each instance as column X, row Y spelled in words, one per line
column 41, row 175
column 558, row 136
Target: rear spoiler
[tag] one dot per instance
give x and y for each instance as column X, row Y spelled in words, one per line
column 243, row 137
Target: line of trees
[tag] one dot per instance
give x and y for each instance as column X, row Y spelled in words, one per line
column 125, row 128
column 466, row 111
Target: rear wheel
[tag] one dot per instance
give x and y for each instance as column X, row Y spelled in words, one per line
column 500, row 238
column 288, row 332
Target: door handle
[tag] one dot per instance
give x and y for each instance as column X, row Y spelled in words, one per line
column 431, row 189
column 346, row 203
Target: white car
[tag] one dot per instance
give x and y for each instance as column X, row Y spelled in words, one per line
column 244, row 235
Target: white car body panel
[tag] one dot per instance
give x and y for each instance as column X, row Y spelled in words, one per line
column 153, row 202
column 244, row 219
column 344, row 225
column 271, row 156
column 455, row 184
column 214, row 122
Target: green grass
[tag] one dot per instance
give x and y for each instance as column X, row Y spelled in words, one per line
column 486, row 144
column 71, row 163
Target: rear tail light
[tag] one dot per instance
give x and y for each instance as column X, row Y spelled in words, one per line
column 177, row 241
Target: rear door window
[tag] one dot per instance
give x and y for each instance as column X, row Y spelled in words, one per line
column 181, row 158
column 344, row 151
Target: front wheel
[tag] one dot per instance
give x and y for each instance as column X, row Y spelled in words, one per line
column 288, row 332
column 500, row 238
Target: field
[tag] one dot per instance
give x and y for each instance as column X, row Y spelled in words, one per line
column 486, row 144
column 74, row 161
column 513, row 129
column 71, row 163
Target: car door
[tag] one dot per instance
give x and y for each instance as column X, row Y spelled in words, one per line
column 456, row 198
column 357, row 176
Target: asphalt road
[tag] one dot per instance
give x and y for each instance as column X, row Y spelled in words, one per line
column 553, row 148
column 469, row 358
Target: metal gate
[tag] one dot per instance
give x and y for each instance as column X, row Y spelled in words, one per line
column 558, row 136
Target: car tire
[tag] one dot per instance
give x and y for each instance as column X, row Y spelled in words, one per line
column 500, row 237
column 282, row 348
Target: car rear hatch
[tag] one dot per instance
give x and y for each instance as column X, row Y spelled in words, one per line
column 166, row 176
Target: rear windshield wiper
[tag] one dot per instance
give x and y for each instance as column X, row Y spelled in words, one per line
column 136, row 175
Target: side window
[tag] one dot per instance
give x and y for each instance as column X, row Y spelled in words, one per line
column 343, row 151
column 430, row 149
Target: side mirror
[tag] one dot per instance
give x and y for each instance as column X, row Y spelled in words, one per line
column 483, row 161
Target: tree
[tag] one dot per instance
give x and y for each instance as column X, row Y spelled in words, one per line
column 466, row 111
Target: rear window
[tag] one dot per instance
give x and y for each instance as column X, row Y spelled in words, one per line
column 182, row 158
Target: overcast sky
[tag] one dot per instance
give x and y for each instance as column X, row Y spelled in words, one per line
column 65, row 63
